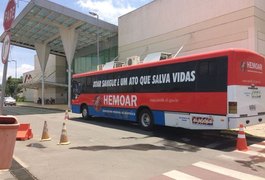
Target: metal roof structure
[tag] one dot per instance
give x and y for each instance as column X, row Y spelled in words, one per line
column 50, row 28
column 40, row 21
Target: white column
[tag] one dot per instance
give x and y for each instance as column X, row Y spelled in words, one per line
column 43, row 51
column 69, row 39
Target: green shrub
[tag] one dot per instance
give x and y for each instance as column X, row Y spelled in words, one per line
column 21, row 99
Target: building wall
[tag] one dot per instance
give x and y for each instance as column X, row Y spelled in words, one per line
column 31, row 95
column 198, row 26
column 55, row 72
column 260, row 26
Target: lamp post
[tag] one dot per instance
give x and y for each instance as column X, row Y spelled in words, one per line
column 95, row 14
column 15, row 66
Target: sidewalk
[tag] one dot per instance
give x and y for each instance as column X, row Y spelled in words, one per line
column 6, row 174
column 61, row 107
column 257, row 130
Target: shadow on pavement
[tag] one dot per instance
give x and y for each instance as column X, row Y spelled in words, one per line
column 193, row 139
column 25, row 110
column 136, row 147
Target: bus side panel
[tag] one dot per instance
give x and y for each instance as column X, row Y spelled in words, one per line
column 195, row 121
column 125, row 114
column 192, row 102
column 114, row 113
column 159, row 117
column 197, row 102
column 75, row 108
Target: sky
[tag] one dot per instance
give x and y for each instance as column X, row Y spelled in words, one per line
column 108, row 10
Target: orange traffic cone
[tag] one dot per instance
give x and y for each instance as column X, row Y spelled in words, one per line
column 66, row 115
column 64, row 138
column 241, row 144
column 45, row 135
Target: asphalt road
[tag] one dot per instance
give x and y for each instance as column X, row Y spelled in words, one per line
column 108, row 149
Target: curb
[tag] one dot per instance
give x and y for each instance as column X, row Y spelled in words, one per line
column 56, row 109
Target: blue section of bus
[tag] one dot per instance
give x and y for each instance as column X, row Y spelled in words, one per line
column 120, row 113
column 115, row 113
column 76, row 108
column 159, row 117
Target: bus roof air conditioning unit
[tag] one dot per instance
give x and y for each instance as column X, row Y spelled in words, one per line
column 132, row 60
column 112, row 64
column 157, row 56
column 117, row 64
column 100, row 67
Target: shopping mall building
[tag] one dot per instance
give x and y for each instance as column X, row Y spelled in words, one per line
column 66, row 38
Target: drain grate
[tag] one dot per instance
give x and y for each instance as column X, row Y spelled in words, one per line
column 20, row 172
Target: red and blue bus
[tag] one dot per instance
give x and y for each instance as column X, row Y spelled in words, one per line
column 215, row 90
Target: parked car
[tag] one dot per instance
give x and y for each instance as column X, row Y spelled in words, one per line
column 9, row 101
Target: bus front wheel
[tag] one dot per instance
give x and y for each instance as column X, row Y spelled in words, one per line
column 146, row 119
column 84, row 112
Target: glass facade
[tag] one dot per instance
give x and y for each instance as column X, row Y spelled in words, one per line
column 89, row 62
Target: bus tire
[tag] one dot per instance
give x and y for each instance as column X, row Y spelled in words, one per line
column 145, row 119
column 84, row 112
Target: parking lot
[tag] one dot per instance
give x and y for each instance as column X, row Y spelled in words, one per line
column 107, row 149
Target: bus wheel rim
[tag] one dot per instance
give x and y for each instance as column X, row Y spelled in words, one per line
column 146, row 120
column 84, row 112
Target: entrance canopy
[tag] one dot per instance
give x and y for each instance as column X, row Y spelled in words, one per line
column 50, row 28
column 41, row 21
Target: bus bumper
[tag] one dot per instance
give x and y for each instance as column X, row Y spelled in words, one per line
column 234, row 122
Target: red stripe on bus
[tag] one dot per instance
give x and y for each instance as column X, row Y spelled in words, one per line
column 198, row 102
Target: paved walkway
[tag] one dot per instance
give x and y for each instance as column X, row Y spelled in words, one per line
column 62, row 107
column 6, row 174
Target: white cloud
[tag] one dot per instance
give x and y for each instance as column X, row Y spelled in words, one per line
column 11, row 71
column 1, row 27
column 24, row 68
column 108, row 10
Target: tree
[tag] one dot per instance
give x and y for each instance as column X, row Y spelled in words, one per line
column 12, row 88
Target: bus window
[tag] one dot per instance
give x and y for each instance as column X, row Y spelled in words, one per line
column 212, row 75
column 76, row 88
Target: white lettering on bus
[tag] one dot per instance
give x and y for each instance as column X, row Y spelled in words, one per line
column 133, row 80
column 109, row 83
column 96, row 84
column 161, row 78
column 120, row 100
column 184, row 77
column 145, row 80
column 253, row 65
column 124, row 81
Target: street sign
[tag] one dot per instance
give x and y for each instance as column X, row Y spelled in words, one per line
column 6, row 47
column 9, row 15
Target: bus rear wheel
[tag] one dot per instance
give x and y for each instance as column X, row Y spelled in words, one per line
column 146, row 119
column 84, row 112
